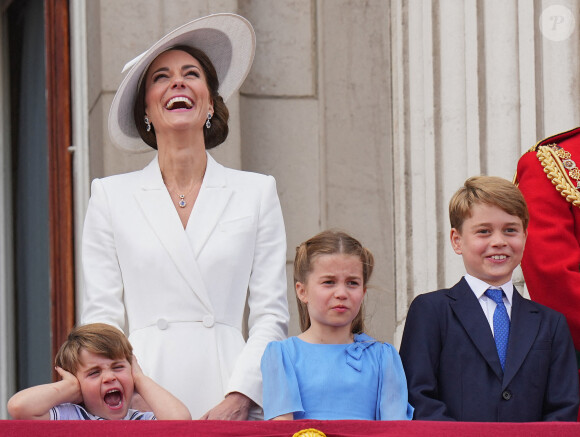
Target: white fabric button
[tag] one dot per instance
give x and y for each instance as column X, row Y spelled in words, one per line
column 208, row 321
column 162, row 324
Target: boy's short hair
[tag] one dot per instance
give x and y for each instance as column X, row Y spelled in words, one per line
column 490, row 190
column 98, row 338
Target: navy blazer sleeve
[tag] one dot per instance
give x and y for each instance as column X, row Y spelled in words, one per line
column 561, row 399
column 420, row 352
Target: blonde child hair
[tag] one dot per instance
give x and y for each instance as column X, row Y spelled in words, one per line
column 97, row 338
column 489, row 190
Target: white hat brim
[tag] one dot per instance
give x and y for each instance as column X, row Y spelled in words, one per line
column 227, row 39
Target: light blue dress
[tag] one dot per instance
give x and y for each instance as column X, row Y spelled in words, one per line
column 361, row 380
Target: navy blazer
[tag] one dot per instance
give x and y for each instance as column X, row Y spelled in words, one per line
column 453, row 370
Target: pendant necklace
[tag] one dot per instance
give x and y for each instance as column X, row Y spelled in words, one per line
column 182, row 203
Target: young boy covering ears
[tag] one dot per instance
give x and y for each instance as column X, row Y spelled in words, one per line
column 99, row 376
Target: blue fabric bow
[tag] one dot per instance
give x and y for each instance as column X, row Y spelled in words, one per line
column 355, row 350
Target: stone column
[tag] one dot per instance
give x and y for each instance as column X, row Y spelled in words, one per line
column 475, row 83
column 316, row 113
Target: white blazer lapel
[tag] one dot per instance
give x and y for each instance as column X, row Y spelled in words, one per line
column 158, row 209
column 209, row 205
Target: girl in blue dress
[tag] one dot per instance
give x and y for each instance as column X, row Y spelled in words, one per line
column 333, row 370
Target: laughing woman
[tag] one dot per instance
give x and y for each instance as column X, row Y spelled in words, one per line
column 171, row 252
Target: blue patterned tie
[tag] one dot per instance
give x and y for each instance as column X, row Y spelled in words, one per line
column 501, row 324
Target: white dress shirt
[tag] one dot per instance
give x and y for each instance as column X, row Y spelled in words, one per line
column 479, row 288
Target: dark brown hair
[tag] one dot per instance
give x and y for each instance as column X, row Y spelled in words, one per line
column 98, row 338
column 329, row 243
column 217, row 133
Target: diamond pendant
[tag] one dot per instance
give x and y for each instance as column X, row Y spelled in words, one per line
column 182, row 203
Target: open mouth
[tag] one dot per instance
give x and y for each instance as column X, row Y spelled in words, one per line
column 180, row 102
column 113, row 398
column 498, row 257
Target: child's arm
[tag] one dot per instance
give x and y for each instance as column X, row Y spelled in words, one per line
column 561, row 395
column 34, row 403
column 281, row 393
column 165, row 406
column 420, row 353
column 393, row 399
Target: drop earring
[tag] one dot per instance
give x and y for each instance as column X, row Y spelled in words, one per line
column 147, row 124
column 208, row 123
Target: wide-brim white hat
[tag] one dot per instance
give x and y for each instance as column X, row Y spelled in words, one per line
column 227, row 39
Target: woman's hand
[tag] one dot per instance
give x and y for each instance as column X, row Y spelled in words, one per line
column 235, row 406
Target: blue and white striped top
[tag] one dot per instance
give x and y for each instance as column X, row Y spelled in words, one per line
column 77, row 412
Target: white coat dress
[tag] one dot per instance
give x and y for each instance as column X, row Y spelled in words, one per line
column 179, row 294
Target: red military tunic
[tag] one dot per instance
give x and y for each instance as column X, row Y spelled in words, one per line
column 548, row 176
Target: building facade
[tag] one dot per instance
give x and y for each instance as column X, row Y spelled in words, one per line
column 369, row 114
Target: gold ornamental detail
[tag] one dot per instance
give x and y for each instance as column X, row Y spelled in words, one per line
column 560, row 168
column 310, row 432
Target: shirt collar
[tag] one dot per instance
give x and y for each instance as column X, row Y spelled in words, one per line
column 479, row 287
column 94, row 417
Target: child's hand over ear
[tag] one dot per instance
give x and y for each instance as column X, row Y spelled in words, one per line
column 136, row 370
column 35, row 402
column 138, row 403
column 73, row 385
column 150, row 396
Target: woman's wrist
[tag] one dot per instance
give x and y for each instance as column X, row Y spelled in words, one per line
column 241, row 398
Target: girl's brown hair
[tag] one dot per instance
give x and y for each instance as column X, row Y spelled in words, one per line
column 329, row 243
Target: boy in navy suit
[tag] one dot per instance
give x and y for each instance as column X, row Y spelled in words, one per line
column 475, row 354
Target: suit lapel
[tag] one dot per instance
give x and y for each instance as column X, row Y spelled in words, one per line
column 209, row 205
column 469, row 313
column 524, row 328
column 158, row 209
